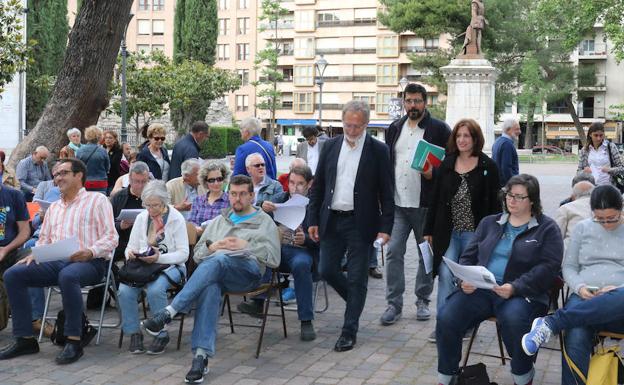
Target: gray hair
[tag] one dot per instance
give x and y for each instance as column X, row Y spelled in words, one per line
column 139, row 167
column 297, row 162
column 583, row 176
column 156, row 189
column 248, row 158
column 357, row 106
column 188, row 165
column 42, row 148
column 73, row 131
column 213, row 165
column 251, row 125
column 582, row 189
column 508, row 124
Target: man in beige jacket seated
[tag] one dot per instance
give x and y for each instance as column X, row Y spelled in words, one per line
column 233, row 253
column 569, row 214
column 184, row 189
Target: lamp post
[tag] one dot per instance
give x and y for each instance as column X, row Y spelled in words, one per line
column 320, row 65
column 403, row 83
column 124, row 106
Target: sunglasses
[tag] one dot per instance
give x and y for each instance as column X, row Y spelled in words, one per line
column 258, row 165
column 161, row 138
column 213, row 180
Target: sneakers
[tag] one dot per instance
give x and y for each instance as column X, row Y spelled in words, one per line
column 199, row 368
column 390, row 316
column 432, row 337
column 136, row 344
column 159, row 344
column 540, row 334
column 288, row 296
column 252, row 308
column 422, row 310
column 307, row 331
column 158, row 321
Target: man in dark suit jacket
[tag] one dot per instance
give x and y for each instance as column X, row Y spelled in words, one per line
column 351, row 205
column 188, row 147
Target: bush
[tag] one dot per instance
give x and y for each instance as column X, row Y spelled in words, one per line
column 222, row 141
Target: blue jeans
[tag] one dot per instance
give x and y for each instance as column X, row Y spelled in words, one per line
column 69, row 276
column 37, row 302
column 446, row 286
column 342, row 236
column 406, row 220
column 580, row 320
column 156, row 293
column 212, row 277
column 465, row 311
column 298, row 261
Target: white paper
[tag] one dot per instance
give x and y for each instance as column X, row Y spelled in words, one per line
column 478, row 276
column 292, row 212
column 427, row 254
column 57, row 251
column 43, row 204
column 129, row 215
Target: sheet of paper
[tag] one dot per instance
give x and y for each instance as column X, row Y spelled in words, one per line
column 58, row 251
column 43, row 204
column 478, row 276
column 292, row 212
column 295, row 200
column 129, row 215
column 427, row 254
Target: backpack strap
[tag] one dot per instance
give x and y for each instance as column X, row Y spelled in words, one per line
column 571, row 364
column 266, row 153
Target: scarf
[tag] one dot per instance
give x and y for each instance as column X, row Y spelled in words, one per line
column 73, row 146
column 157, row 232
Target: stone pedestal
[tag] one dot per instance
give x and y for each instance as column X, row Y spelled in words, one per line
column 471, row 81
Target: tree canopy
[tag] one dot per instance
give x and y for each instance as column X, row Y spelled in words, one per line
column 14, row 52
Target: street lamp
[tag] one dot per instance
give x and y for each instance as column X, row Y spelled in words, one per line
column 403, row 83
column 320, row 65
column 124, row 107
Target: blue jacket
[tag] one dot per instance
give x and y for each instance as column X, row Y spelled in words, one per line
column 248, row 148
column 186, row 148
column 506, row 157
column 146, row 156
column 535, row 258
column 96, row 159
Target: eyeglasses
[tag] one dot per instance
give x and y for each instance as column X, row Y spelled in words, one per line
column 414, row 101
column 213, row 180
column 258, row 165
column 62, row 173
column 353, row 126
column 153, row 205
column 241, row 194
column 160, row 138
column 604, row 221
column 516, row 197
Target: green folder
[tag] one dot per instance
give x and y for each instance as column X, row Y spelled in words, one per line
column 426, row 151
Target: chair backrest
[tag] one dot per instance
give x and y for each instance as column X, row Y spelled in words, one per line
column 191, row 232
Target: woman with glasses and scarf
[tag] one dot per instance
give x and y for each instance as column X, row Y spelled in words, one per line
column 213, row 176
column 158, row 236
column 593, row 268
column 522, row 248
column 154, row 153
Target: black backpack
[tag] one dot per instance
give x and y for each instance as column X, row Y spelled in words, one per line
column 58, row 334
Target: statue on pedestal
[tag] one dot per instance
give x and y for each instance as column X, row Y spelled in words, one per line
column 472, row 38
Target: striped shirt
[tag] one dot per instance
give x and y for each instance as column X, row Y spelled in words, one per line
column 88, row 217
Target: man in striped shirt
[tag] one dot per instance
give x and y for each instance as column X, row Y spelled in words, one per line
column 87, row 216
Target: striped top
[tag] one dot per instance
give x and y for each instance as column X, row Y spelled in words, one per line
column 88, row 217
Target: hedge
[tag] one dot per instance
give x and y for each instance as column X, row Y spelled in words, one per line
column 222, row 141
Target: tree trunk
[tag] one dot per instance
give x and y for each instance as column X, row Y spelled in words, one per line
column 528, row 134
column 575, row 118
column 81, row 90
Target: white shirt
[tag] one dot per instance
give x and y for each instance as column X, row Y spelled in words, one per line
column 346, row 171
column 313, row 157
column 407, row 179
column 598, row 159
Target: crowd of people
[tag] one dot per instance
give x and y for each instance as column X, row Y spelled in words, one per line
column 363, row 193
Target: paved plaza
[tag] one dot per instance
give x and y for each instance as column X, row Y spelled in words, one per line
column 398, row 354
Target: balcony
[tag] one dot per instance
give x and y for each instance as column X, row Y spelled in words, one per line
column 593, row 83
column 598, row 51
column 592, row 112
column 343, row 51
column 346, row 23
column 282, row 24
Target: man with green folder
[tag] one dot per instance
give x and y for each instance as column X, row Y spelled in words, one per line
column 411, row 197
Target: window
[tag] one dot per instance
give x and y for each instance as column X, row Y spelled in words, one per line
column 557, row 107
column 158, row 47
column 387, row 74
column 508, row 107
column 304, row 47
column 243, row 25
column 143, row 48
column 224, row 26
column 388, row 46
column 144, row 27
column 159, row 5
column 244, row 77
column 383, row 101
column 588, row 46
column 304, row 75
column 223, row 4
column 432, row 100
column 327, row 18
column 432, row 43
column 304, row 20
column 242, row 102
column 286, row 48
column 368, row 97
column 302, row 102
column 242, row 51
column 223, row 51
column 243, row 4
column 365, row 16
column 143, row 5
column 364, row 72
column 288, row 76
column 158, row 27
column 364, row 44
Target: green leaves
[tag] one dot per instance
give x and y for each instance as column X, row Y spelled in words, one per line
column 14, row 52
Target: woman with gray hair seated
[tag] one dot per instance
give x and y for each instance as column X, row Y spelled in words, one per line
column 74, row 135
column 158, row 236
column 213, row 176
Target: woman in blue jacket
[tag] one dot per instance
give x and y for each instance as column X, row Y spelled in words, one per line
column 523, row 249
column 96, row 159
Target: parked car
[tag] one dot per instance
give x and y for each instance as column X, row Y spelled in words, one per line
column 547, row 150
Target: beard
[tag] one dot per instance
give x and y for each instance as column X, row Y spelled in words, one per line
column 414, row 114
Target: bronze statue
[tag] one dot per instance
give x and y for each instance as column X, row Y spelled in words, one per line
column 472, row 38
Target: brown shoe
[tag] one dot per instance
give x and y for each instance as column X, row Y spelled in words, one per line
column 47, row 330
column 375, row 272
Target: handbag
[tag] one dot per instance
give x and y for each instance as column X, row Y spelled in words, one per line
column 603, row 366
column 618, row 179
column 474, row 375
